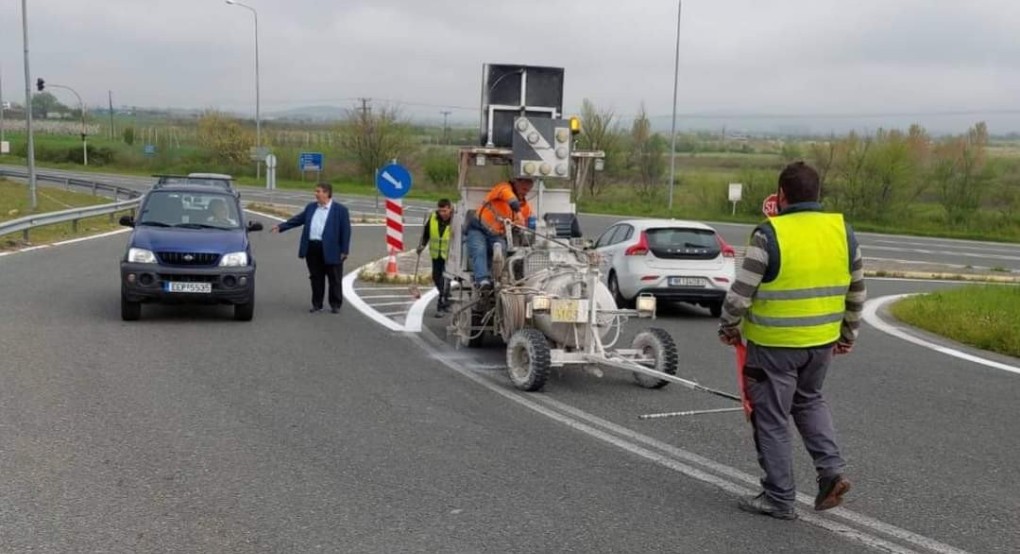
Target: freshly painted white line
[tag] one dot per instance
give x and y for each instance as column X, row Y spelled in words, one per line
column 382, row 296
column 736, row 474
column 351, row 295
column 385, row 304
column 871, row 308
column 393, row 314
column 412, row 323
column 580, row 424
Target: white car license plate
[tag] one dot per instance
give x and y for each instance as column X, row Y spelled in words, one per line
column 686, row 282
column 196, row 288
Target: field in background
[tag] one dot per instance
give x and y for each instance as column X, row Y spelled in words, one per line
column 705, row 165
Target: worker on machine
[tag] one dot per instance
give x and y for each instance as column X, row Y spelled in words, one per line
column 506, row 201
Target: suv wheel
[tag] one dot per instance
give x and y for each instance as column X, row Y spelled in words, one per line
column 246, row 311
column 130, row 311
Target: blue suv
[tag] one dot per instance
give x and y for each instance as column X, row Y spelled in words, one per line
column 189, row 245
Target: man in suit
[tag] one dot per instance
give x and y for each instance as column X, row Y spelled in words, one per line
column 325, row 244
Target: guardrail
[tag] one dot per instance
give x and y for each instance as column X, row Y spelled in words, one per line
column 73, row 215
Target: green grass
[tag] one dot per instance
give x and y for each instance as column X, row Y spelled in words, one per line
column 15, row 203
column 982, row 316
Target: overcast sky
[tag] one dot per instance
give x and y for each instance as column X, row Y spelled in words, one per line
column 885, row 61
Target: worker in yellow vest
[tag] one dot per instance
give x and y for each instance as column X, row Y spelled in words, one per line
column 436, row 237
column 797, row 301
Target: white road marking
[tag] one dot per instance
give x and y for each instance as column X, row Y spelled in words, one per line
column 870, row 315
column 63, row 242
column 629, row 441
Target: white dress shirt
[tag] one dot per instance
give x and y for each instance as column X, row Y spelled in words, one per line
column 319, row 221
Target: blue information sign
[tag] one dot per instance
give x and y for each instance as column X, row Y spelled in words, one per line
column 310, row 161
column 150, row 149
column 393, row 181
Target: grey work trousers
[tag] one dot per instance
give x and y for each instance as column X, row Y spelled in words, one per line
column 783, row 383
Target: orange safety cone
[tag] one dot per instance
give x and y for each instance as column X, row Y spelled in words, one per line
column 391, row 264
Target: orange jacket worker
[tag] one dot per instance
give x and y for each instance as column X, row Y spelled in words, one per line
column 504, row 201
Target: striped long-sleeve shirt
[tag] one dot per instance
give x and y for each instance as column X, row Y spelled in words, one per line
column 756, row 266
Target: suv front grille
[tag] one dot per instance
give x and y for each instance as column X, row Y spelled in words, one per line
column 187, row 258
column 190, row 278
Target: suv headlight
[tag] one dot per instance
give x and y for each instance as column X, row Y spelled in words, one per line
column 234, row 259
column 141, row 256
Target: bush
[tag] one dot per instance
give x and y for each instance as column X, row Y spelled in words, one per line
column 129, row 136
column 440, row 169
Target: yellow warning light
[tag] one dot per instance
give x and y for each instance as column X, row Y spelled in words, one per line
column 575, row 124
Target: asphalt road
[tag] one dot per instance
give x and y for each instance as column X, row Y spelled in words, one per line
column 188, row 431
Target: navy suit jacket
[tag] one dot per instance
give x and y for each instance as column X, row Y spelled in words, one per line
column 336, row 236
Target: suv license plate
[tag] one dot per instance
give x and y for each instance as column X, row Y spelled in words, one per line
column 198, row 288
column 686, row 282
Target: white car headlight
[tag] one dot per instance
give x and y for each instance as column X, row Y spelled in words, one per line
column 141, row 256
column 234, row 259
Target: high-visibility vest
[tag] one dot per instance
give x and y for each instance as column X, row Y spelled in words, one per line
column 439, row 244
column 496, row 207
column 804, row 306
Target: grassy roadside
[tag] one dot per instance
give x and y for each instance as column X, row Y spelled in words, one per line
column 14, row 204
column 982, row 316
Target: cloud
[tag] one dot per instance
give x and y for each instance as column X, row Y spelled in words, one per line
column 736, row 56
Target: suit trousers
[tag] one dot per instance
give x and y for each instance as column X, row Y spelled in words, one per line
column 319, row 272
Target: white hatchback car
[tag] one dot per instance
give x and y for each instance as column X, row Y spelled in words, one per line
column 675, row 260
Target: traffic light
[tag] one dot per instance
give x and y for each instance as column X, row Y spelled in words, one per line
column 40, row 84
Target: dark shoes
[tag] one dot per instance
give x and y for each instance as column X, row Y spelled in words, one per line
column 831, row 491
column 763, row 506
column 313, row 310
column 335, row 310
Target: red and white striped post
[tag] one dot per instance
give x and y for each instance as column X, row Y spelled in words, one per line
column 394, row 233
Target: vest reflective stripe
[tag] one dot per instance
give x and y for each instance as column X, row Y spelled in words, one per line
column 800, row 294
column 795, row 321
column 805, row 304
column 439, row 244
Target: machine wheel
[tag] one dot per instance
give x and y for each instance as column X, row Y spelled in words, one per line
column 246, row 311
column 528, row 359
column 656, row 344
column 614, row 288
column 130, row 311
column 715, row 308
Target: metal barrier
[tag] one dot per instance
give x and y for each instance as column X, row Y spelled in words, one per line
column 73, row 215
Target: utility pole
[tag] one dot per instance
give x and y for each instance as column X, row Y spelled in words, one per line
column 1, row 105
column 365, row 108
column 113, row 132
column 446, row 130
column 28, row 109
column 676, row 81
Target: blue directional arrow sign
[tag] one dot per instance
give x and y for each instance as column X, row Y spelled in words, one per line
column 393, row 181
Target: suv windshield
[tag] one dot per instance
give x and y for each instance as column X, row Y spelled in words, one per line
column 195, row 210
column 683, row 243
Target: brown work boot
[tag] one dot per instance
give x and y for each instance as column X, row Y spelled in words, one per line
column 830, row 492
column 762, row 505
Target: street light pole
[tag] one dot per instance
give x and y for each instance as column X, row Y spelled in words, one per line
column 676, row 80
column 81, row 108
column 258, row 115
column 28, row 109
